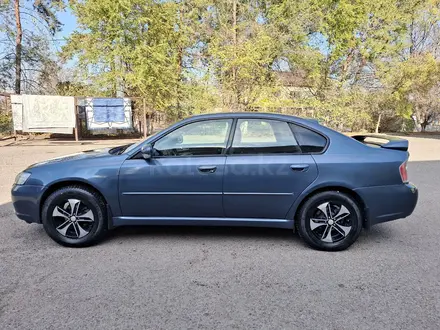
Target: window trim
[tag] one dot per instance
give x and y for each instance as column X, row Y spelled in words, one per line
column 222, row 154
column 229, row 149
column 231, row 137
column 327, row 140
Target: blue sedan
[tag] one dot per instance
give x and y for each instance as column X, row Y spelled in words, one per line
column 230, row 169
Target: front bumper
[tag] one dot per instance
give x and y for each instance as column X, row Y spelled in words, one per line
column 26, row 202
column 386, row 203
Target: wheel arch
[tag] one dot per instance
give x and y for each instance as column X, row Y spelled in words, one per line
column 348, row 191
column 70, row 182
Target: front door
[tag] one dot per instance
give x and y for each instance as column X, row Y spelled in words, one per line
column 183, row 179
column 265, row 170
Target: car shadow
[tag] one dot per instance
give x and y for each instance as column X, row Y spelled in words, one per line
column 189, row 232
column 18, row 230
column 376, row 233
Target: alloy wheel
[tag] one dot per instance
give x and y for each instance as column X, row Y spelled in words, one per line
column 331, row 222
column 73, row 218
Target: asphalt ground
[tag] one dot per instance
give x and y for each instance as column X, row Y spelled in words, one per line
column 222, row 278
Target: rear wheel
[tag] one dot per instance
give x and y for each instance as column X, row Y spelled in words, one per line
column 329, row 221
column 74, row 216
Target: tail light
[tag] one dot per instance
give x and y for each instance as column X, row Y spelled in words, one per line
column 403, row 172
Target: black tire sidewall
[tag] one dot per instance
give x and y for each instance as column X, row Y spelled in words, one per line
column 87, row 197
column 329, row 196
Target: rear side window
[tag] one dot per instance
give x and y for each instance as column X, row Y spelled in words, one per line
column 310, row 141
column 262, row 136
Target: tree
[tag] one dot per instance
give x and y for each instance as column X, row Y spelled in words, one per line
column 339, row 41
column 241, row 51
column 126, row 46
column 26, row 28
column 414, row 88
column 347, row 49
column 190, row 56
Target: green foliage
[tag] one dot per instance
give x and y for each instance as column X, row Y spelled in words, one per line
column 242, row 52
column 415, row 87
column 39, row 25
column 127, row 45
column 359, row 61
column 5, row 123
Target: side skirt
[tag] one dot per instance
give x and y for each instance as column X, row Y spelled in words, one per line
column 171, row 221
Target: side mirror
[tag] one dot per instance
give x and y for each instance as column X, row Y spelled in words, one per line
column 147, row 151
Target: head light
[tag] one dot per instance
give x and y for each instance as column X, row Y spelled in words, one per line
column 22, row 177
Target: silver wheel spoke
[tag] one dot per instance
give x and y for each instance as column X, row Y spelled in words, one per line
column 325, row 208
column 315, row 223
column 63, row 224
column 342, row 217
column 63, row 231
column 74, row 206
column 327, row 235
column 59, row 212
column 343, row 230
column 70, row 210
column 81, row 232
column 331, row 222
column 76, row 230
column 88, row 216
column 342, row 214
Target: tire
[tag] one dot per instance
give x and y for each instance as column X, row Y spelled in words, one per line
column 75, row 216
column 329, row 221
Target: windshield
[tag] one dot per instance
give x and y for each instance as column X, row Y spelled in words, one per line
column 131, row 147
column 122, row 149
column 119, row 150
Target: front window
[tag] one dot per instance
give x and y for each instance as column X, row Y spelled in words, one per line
column 202, row 138
column 262, row 136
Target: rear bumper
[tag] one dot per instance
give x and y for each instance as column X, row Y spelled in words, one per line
column 26, row 201
column 386, row 203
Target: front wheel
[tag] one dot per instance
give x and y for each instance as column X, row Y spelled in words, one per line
column 329, row 221
column 74, row 216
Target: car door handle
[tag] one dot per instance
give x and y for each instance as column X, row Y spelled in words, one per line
column 207, row 169
column 299, row 167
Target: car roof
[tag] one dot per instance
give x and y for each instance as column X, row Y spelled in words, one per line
column 256, row 115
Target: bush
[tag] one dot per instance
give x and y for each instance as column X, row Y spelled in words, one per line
column 396, row 124
column 6, row 126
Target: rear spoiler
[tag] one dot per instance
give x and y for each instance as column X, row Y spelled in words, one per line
column 391, row 142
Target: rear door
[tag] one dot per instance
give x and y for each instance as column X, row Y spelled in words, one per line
column 265, row 170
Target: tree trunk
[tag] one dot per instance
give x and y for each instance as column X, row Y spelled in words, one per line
column 378, row 123
column 148, row 122
column 18, row 40
column 427, row 120
column 115, row 80
column 180, row 69
column 359, row 70
column 144, row 120
column 417, row 122
column 234, row 40
column 152, row 122
column 411, row 33
column 179, row 82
